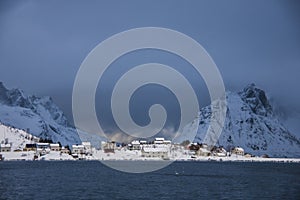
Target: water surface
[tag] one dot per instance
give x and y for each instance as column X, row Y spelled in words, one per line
column 180, row 180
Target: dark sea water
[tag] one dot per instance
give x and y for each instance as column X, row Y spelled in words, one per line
column 180, row 180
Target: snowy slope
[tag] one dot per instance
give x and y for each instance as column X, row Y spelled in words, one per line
column 18, row 138
column 251, row 123
column 38, row 116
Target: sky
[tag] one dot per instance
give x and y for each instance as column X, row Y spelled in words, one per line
column 43, row 43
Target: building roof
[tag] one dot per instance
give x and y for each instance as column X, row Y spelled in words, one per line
column 54, row 145
column 77, row 146
column 42, row 144
column 5, row 145
column 159, row 139
column 30, row 145
column 86, row 143
column 135, row 142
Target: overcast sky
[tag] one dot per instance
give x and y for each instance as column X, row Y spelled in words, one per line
column 42, row 43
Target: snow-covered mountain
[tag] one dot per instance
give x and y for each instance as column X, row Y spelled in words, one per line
column 38, row 116
column 250, row 123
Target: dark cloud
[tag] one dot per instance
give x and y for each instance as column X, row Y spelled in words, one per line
column 42, row 43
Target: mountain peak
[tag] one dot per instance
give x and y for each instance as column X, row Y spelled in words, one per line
column 257, row 100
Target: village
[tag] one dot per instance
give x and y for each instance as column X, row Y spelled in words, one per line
column 157, row 149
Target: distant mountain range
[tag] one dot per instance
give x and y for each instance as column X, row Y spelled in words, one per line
column 250, row 123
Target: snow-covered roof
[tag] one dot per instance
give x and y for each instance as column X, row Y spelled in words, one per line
column 167, row 141
column 159, row 139
column 77, row 146
column 135, row 142
column 158, row 142
column 86, row 143
column 143, row 141
column 42, row 144
column 5, row 145
column 54, row 145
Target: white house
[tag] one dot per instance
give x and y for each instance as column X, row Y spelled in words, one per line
column 159, row 140
column 87, row 148
column 220, row 152
column 77, row 149
column 238, row 151
column 54, row 147
column 158, row 151
column 143, row 142
column 65, row 150
column 168, row 142
column 5, row 147
column 135, row 145
column 42, row 148
column 42, row 145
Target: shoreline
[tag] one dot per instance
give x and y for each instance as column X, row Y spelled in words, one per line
column 99, row 156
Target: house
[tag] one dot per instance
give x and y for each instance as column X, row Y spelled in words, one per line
column 168, row 142
column 159, row 140
column 30, row 147
column 155, row 151
column 5, row 147
column 42, row 148
column 54, row 147
column 36, row 139
column 41, row 145
column 135, row 145
column 78, row 149
column 65, row 150
column 220, row 152
column 238, row 151
column 87, row 148
column 142, row 142
column 108, row 147
column 129, row 146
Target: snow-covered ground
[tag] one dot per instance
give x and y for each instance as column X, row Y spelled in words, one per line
column 27, row 156
column 136, row 155
column 18, row 138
